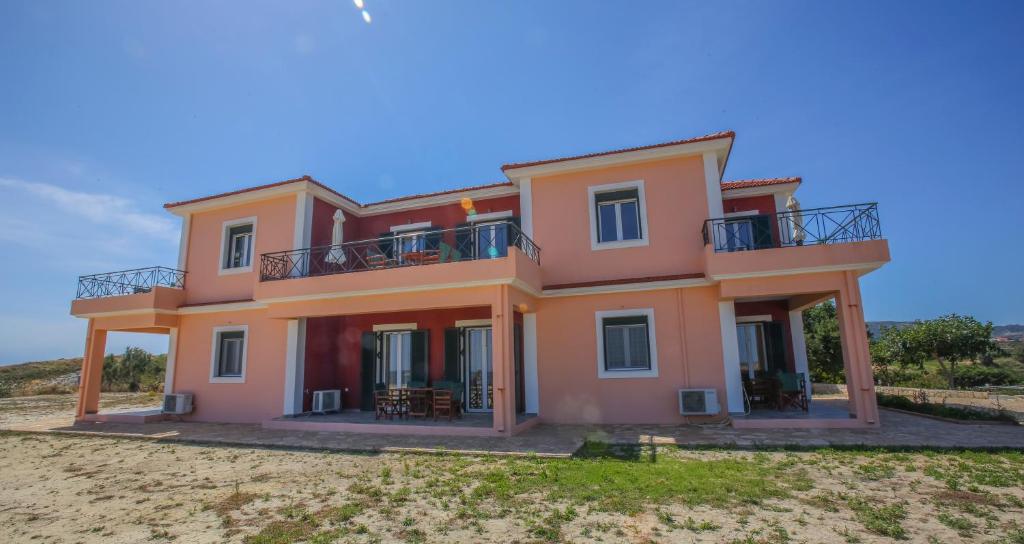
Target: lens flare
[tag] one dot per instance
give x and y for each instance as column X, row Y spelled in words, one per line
column 492, row 251
column 358, row 3
column 471, row 211
column 523, row 308
column 467, row 203
column 366, row 16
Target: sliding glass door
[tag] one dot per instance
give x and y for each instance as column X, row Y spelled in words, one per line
column 397, row 368
column 480, row 370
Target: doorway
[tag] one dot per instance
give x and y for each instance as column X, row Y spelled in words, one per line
column 479, row 370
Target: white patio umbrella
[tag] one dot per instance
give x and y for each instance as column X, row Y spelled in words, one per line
column 337, row 255
column 796, row 220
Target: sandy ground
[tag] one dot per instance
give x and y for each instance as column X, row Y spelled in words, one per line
column 64, row 488
column 16, row 410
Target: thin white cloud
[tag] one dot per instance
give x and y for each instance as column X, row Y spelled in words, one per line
column 100, row 209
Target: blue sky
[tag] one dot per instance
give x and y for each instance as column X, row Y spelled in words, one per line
column 110, row 109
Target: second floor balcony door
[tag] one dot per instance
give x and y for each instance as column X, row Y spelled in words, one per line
column 491, row 240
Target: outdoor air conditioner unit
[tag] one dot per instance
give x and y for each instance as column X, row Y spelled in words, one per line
column 177, row 403
column 325, row 401
column 698, row 402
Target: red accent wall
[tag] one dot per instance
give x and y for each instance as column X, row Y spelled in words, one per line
column 764, row 204
column 779, row 310
column 364, row 228
column 334, row 347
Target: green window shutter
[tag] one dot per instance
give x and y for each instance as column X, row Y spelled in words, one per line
column 452, row 355
column 762, row 227
column 432, row 240
column 369, row 361
column 464, row 240
column 775, row 340
column 419, row 358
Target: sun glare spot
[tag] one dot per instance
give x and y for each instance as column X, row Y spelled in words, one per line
column 366, row 16
column 358, row 3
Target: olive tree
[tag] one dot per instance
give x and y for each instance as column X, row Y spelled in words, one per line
column 949, row 340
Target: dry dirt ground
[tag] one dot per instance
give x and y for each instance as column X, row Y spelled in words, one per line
column 64, row 488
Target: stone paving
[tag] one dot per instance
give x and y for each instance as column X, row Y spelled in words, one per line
column 897, row 430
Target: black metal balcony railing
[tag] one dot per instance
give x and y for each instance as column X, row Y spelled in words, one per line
column 835, row 225
column 431, row 246
column 129, row 282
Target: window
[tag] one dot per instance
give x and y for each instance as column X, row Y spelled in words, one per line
column 618, row 215
column 626, row 346
column 238, row 242
column 229, row 351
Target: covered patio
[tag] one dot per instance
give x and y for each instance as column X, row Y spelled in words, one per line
column 767, row 376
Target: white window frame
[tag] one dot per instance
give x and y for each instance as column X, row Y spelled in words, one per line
column 490, row 216
column 599, row 318
column 225, row 241
column 215, row 350
column 593, row 191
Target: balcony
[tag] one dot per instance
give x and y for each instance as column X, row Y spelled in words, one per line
column 809, row 240
column 143, row 297
column 431, row 259
column 129, row 282
column 432, row 246
column 835, row 225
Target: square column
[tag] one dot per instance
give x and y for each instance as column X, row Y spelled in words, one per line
column 503, row 385
column 294, row 367
column 172, row 358
column 92, row 371
column 853, row 334
column 796, row 328
column 731, row 356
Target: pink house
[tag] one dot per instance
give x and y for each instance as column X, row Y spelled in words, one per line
column 622, row 287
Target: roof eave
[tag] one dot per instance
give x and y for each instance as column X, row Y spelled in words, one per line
column 722, row 146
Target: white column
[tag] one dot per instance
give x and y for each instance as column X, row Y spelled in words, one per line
column 714, row 185
column 172, row 356
column 530, row 382
column 294, row 366
column 731, row 356
column 303, row 231
column 796, row 327
column 186, row 223
column 526, row 206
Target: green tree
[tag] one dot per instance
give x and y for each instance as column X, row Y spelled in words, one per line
column 824, row 349
column 136, row 370
column 949, row 340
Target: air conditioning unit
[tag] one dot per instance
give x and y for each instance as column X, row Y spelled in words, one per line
column 177, row 403
column 328, row 400
column 698, row 402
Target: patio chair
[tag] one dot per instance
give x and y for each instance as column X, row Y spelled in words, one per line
column 419, row 403
column 382, row 404
column 449, row 254
column 399, row 399
column 443, row 404
column 792, row 392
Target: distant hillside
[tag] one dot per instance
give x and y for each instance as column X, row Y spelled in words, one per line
column 1010, row 331
column 136, row 370
column 14, row 378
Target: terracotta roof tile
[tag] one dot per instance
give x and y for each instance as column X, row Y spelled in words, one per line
column 258, row 188
column 706, row 137
column 438, row 193
column 761, row 182
column 317, row 183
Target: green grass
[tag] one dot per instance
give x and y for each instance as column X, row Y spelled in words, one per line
column 883, row 520
column 627, row 479
column 962, row 525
